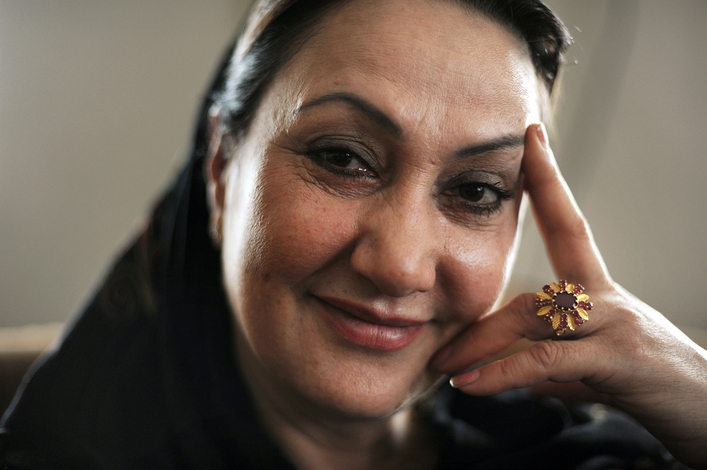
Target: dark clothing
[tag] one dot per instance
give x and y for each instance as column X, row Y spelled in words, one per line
column 121, row 393
column 135, row 387
column 146, row 379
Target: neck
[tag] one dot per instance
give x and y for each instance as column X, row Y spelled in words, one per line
column 314, row 437
column 391, row 443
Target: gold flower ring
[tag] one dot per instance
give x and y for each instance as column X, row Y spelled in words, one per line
column 563, row 305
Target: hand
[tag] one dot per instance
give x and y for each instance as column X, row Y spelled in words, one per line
column 631, row 353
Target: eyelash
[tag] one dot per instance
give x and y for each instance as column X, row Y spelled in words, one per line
column 483, row 209
column 318, row 156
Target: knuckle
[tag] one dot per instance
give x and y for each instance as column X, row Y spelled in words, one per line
column 578, row 228
column 509, row 368
column 521, row 305
column 545, row 354
column 524, row 315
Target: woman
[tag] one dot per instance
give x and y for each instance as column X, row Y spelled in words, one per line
column 364, row 164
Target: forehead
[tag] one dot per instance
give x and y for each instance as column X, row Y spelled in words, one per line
column 419, row 60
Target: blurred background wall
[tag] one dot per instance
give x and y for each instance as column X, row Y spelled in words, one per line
column 97, row 101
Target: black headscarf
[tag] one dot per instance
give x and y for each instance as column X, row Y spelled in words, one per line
column 146, row 377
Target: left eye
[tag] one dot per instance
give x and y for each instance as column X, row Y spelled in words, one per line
column 478, row 193
column 342, row 161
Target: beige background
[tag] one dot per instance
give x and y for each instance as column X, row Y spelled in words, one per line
column 97, row 100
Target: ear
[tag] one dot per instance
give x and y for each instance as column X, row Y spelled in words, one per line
column 215, row 174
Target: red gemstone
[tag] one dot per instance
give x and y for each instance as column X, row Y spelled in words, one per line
column 565, row 301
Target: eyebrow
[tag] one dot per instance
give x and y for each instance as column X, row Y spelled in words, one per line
column 362, row 105
column 500, row 143
column 368, row 109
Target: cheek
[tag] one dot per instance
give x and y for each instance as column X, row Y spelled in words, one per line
column 479, row 266
column 294, row 230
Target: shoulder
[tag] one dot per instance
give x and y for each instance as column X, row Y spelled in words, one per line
column 515, row 430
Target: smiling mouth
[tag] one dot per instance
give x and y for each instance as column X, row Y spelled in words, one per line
column 366, row 328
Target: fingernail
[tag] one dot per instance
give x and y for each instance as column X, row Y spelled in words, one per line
column 441, row 355
column 464, row 379
column 542, row 134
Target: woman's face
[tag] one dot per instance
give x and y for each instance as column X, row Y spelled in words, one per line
column 370, row 213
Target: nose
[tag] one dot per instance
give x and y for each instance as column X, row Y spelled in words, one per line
column 397, row 246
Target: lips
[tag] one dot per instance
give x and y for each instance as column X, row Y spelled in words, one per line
column 368, row 327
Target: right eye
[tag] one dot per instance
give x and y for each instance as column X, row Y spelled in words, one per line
column 342, row 161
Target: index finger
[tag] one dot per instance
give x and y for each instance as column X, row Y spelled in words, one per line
column 568, row 238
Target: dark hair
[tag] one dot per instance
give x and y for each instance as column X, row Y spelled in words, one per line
column 242, row 79
column 246, row 78
column 186, row 264
column 543, row 32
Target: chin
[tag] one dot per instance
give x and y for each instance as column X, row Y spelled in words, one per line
column 362, row 392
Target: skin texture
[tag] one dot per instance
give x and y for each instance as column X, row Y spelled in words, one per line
column 370, row 182
column 395, row 241
column 628, row 354
column 396, row 236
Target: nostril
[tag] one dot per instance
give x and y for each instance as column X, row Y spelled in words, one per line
column 396, row 246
